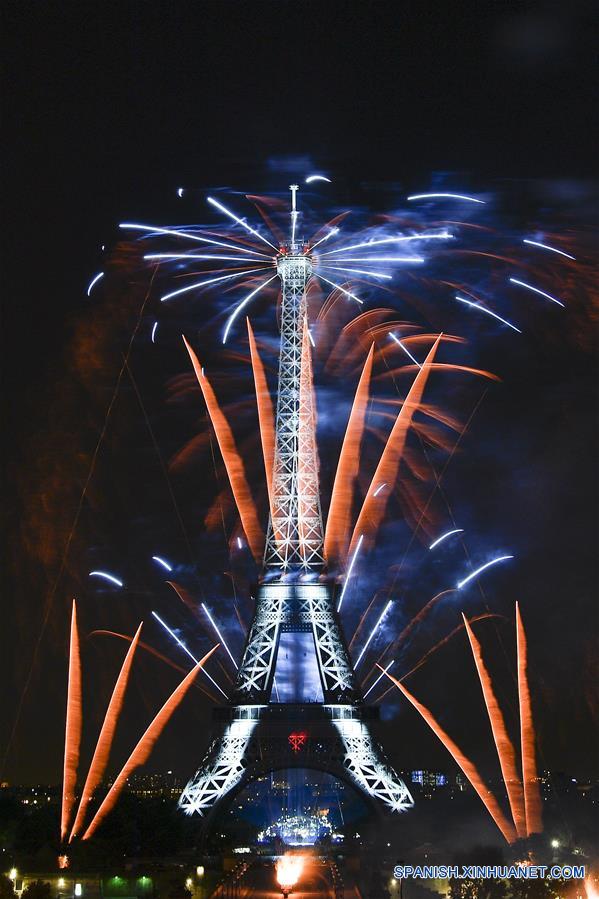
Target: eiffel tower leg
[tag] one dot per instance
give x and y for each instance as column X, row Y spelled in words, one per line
column 367, row 767
column 222, row 769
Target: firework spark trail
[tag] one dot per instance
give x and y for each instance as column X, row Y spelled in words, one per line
column 218, row 633
column 171, row 232
column 357, row 271
column 154, row 652
column 93, row 282
column 243, row 304
column 532, row 798
column 342, row 290
column 379, row 678
column 106, row 577
column 445, row 536
column 503, row 744
column 72, row 738
column 241, row 222
column 440, row 366
column 163, row 563
column 484, row 309
column 186, row 599
column 372, row 511
column 266, row 418
column 363, row 618
column 367, row 244
column 464, row 763
column 480, row 569
column 145, row 745
column 536, row 290
column 322, row 239
column 349, row 571
column 544, row 246
column 373, row 632
column 404, row 348
column 260, row 202
column 438, row 480
column 336, row 539
column 174, row 257
column 187, row 651
column 199, row 284
column 415, row 621
column 457, row 630
column 233, row 462
column 103, row 746
column 445, row 197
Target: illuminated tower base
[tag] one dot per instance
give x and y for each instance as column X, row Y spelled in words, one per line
column 295, row 654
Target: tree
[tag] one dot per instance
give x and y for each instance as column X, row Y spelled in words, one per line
column 6, row 888
column 37, row 889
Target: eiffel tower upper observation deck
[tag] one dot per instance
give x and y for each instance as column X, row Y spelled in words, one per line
column 295, row 670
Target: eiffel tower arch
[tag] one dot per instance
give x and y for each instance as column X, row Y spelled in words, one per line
column 296, row 701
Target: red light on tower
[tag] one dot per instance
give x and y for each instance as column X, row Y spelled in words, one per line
column 297, row 740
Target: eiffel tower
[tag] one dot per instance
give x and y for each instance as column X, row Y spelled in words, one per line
column 296, row 702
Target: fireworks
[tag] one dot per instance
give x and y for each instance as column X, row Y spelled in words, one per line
column 525, row 804
column 505, row 749
column 233, row 461
column 107, row 577
column 464, row 763
column 102, row 751
column 475, row 574
column 487, row 312
column 544, row 246
column 338, row 521
column 371, row 513
column 445, row 536
column 93, row 282
column 394, row 430
column 532, row 798
column 536, row 290
column 145, row 745
column 72, row 738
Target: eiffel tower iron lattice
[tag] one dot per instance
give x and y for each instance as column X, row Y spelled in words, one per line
column 295, row 669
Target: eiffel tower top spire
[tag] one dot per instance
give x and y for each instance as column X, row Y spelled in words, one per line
column 295, row 533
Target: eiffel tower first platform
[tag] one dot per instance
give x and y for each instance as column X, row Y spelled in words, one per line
column 296, row 701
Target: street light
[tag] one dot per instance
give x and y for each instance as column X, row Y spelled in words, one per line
column 555, row 844
column 200, row 870
column 12, row 874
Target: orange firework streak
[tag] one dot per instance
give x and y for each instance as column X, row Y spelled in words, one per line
column 266, row 418
column 185, row 598
column 144, row 747
column 158, row 655
column 306, row 501
column 232, row 460
column 373, row 509
column 265, row 411
column 336, row 536
column 465, row 764
column 505, row 749
column 72, row 738
column 532, row 798
column 104, row 744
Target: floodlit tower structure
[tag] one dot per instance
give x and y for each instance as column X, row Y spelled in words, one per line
column 296, row 701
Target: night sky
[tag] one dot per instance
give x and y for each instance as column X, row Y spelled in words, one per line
column 108, row 108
